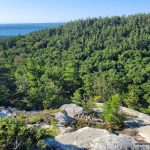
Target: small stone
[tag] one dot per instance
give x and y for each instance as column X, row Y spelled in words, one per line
column 46, row 126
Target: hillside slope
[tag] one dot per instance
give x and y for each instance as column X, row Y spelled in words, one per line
column 80, row 61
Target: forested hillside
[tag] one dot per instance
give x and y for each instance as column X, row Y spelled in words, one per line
column 81, row 62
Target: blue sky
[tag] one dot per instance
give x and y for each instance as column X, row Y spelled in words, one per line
column 26, row 11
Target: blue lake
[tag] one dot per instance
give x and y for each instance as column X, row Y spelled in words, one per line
column 22, row 29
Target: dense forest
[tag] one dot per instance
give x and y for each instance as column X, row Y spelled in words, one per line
column 80, row 62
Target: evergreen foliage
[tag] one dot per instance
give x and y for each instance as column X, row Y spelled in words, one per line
column 15, row 135
column 78, row 61
column 111, row 111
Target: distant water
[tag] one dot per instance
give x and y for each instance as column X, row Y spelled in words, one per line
column 22, row 29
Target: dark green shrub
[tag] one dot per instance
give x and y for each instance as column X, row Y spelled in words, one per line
column 15, row 135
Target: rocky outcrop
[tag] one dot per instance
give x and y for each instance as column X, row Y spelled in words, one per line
column 136, row 132
column 94, row 139
column 13, row 112
column 131, row 122
column 99, row 139
column 72, row 110
column 141, row 116
column 126, row 111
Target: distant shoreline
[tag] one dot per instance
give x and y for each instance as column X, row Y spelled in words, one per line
column 7, row 30
column 31, row 23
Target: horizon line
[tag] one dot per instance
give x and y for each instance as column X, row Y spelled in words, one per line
column 33, row 22
column 75, row 19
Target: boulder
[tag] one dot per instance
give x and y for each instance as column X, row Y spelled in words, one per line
column 123, row 110
column 8, row 112
column 112, row 142
column 81, row 138
column 5, row 113
column 98, row 139
column 145, row 133
column 141, row 116
column 72, row 110
column 62, row 119
column 131, row 122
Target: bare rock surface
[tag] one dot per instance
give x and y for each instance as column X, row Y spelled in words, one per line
column 131, row 122
column 112, row 142
column 135, row 114
column 55, row 145
column 145, row 118
column 145, row 133
column 82, row 137
column 72, row 109
column 99, row 139
column 63, row 130
column 62, row 119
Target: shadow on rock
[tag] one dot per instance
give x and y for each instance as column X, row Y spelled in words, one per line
column 55, row 145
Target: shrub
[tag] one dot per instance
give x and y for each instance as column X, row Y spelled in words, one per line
column 15, row 135
column 88, row 106
column 110, row 114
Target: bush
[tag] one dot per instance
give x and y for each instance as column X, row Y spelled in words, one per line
column 15, row 135
column 110, row 114
column 88, row 106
